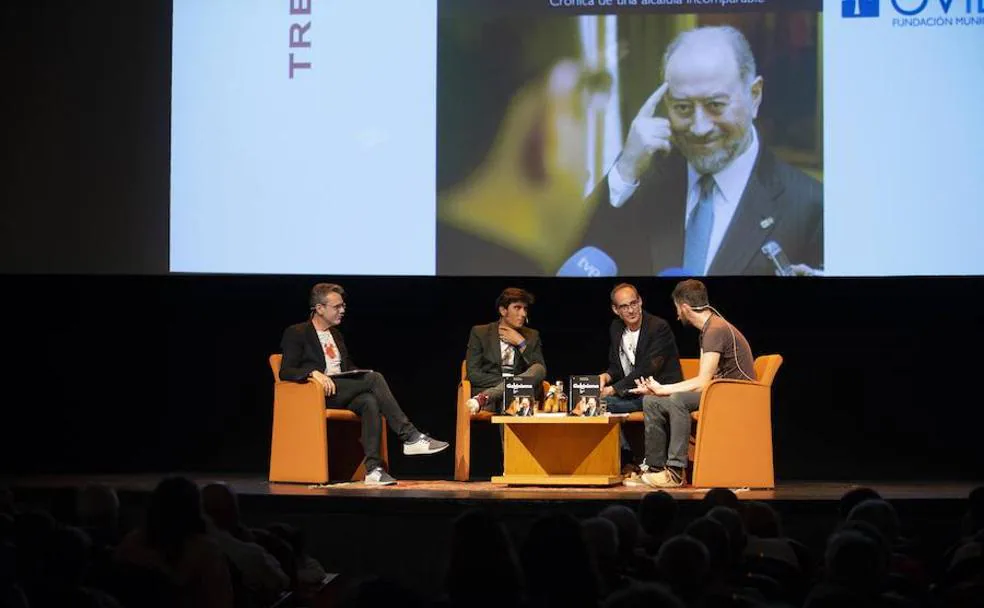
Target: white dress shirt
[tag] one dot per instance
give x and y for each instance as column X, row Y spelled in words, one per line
column 730, row 182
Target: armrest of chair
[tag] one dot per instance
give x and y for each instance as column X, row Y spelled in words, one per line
column 727, row 405
column 464, row 394
column 720, row 382
column 308, row 395
column 462, row 433
column 731, row 393
column 299, row 447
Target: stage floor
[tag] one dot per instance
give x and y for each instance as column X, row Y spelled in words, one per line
column 246, row 485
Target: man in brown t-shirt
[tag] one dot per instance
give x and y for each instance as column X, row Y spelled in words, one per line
column 724, row 353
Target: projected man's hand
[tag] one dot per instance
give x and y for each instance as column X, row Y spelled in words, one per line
column 647, row 134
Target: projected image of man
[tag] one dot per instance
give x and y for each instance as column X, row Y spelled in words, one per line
column 697, row 189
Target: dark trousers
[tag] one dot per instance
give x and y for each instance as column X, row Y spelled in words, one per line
column 668, row 415
column 369, row 396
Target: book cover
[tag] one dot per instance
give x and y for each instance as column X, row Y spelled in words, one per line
column 585, row 396
column 519, row 397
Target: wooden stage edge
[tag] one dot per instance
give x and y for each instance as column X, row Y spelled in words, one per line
column 431, row 490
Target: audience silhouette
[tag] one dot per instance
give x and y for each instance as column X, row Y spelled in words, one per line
column 192, row 549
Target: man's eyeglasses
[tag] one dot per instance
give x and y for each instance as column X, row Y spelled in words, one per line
column 628, row 306
column 336, row 307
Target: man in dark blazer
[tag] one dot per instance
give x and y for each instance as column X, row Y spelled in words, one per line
column 501, row 348
column 642, row 345
column 697, row 190
column 315, row 351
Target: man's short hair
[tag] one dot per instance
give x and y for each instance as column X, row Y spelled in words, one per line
column 621, row 286
column 513, row 294
column 736, row 40
column 320, row 292
column 690, row 292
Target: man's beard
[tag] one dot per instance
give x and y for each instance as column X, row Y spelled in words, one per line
column 709, row 163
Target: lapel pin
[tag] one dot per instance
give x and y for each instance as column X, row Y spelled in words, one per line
column 767, row 222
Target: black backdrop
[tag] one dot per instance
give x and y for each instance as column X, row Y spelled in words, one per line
column 114, row 366
column 125, row 373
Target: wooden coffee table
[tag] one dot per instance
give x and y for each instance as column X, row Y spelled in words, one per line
column 563, row 450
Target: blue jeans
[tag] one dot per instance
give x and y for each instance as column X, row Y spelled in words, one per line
column 622, row 405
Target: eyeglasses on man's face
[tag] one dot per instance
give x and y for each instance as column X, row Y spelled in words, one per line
column 335, row 307
column 634, row 304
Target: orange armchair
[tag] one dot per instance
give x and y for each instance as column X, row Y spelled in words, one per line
column 732, row 443
column 462, row 429
column 299, row 450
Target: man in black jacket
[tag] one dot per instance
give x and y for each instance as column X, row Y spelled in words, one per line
column 315, row 350
column 642, row 345
column 503, row 348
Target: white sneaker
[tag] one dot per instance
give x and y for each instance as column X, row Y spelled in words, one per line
column 633, row 481
column 424, row 445
column 473, row 406
column 379, row 477
column 663, row 479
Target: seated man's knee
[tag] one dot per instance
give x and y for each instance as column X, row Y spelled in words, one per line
column 365, row 404
column 371, row 407
column 676, row 403
column 650, row 405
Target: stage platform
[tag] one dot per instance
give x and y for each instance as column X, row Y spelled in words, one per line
column 479, row 492
column 404, row 530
